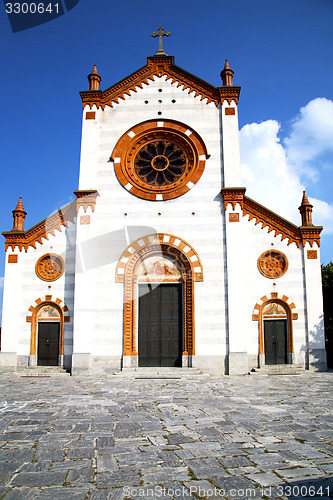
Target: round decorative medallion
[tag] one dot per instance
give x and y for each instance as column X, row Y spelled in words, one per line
column 50, row 267
column 272, row 264
column 159, row 160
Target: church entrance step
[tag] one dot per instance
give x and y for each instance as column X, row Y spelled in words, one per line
column 42, row 371
column 159, row 372
column 278, row 370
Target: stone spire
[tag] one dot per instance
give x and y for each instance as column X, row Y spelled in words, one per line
column 19, row 216
column 94, row 79
column 306, row 211
column 227, row 74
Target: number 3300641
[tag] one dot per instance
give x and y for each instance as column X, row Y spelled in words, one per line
column 31, row 8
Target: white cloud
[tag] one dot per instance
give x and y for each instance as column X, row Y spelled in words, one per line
column 273, row 172
column 311, row 135
column 266, row 173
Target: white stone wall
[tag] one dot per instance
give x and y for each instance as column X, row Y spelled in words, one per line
column 22, row 287
column 204, row 230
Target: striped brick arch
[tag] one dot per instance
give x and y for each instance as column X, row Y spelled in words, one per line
column 127, row 273
column 290, row 309
column 32, row 318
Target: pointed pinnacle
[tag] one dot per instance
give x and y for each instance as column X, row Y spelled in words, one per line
column 94, row 71
column 19, row 206
column 226, row 66
column 305, row 200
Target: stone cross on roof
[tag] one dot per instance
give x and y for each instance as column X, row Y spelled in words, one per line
column 160, row 34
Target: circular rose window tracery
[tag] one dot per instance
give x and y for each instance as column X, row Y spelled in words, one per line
column 160, row 163
column 50, row 267
column 159, row 160
column 273, row 264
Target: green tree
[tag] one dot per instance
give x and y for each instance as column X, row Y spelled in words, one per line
column 327, row 279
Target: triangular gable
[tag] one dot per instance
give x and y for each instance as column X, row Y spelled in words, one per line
column 158, row 66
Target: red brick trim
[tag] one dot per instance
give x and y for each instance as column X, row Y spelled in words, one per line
column 44, row 274
column 127, row 273
column 24, row 239
column 84, row 219
column 234, row 217
column 32, row 318
column 267, row 218
column 12, row 259
column 229, row 111
column 312, row 254
column 85, row 199
column 158, row 67
column 133, row 139
column 274, row 255
column 288, row 305
column 90, row 115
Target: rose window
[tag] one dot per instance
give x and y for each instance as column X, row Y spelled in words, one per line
column 273, row 264
column 160, row 163
column 159, row 160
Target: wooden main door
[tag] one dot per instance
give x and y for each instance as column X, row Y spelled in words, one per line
column 160, row 325
column 48, row 343
column 275, row 333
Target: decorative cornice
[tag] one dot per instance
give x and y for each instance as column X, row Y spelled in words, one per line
column 269, row 219
column 158, row 66
column 311, row 234
column 86, row 198
column 229, row 94
column 24, row 239
column 233, row 196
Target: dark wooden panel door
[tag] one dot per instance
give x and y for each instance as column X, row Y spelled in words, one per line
column 48, row 344
column 275, row 332
column 160, row 325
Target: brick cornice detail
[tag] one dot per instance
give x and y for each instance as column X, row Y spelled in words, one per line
column 229, row 94
column 274, row 222
column 157, row 67
column 233, row 196
column 86, row 198
column 24, row 239
column 310, row 234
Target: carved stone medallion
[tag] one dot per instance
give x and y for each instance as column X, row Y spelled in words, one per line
column 50, row 267
column 272, row 264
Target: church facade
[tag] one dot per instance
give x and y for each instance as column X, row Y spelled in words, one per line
column 162, row 259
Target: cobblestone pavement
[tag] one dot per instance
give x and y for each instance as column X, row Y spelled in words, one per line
column 197, row 437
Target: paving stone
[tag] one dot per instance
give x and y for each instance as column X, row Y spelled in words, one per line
column 235, row 462
column 165, row 474
column 265, row 479
column 106, row 463
column 118, row 479
column 231, row 431
column 21, row 493
column 77, row 453
column 80, row 476
column 38, row 478
column 63, row 493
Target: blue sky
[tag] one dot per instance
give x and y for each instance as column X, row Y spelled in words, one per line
column 281, row 53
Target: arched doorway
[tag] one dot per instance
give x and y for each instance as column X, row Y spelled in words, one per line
column 160, row 310
column 158, row 272
column 48, row 335
column 275, row 325
column 47, row 316
column 275, row 316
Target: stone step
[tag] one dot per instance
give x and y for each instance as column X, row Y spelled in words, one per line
column 159, row 372
column 278, row 370
column 42, row 371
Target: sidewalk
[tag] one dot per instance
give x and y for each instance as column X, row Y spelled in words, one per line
column 193, row 437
